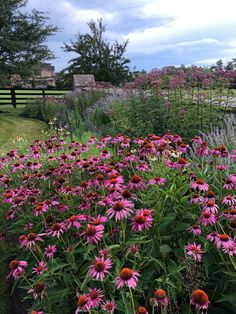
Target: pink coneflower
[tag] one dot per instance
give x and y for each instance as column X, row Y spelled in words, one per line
column 211, row 206
column 141, row 222
column 197, row 199
column 11, row 214
column 127, row 277
column 40, row 268
column 200, row 185
column 91, row 140
column 62, row 208
column 133, row 249
column 57, row 229
column 109, row 306
column 118, row 138
column 73, row 221
column 106, row 201
column 233, row 155
column 130, row 157
column 203, row 150
column 223, row 240
column 157, row 180
column 35, row 165
column 99, row 220
column 125, row 143
column 83, row 304
column 36, row 312
column 30, row 240
column 181, row 163
column 229, row 184
column 200, row 299
column 99, row 268
column 231, row 214
column 95, row 296
column 105, row 154
column 145, row 212
column 231, row 250
column 170, row 164
column 28, row 226
column 39, row 209
column 120, row 210
column 143, row 166
column 35, row 154
column 195, row 229
column 93, row 234
column 17, row 166
column 39, row 290
column 114, row 181
column 161, row 297
column 229, row 200
column 212, row 236
column 210, row 196
column 221, row 167
column 207, row 218
column 195, row 251
column 99, row 181
column 105, row 252
column 136, row 182
column 17, row 269
column 142, row 310
column 183, row 148
column 50, row 251
column 126, row 194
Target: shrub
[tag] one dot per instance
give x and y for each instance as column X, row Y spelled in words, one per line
column 67, row 112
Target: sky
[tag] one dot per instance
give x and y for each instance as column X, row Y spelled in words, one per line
column 160, row 32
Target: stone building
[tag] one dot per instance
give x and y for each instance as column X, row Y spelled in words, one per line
column 45, row 78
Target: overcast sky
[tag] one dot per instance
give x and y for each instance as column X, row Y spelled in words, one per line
column 160, row 32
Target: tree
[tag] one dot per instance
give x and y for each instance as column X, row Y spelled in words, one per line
column 95, row 55
column 22, row 37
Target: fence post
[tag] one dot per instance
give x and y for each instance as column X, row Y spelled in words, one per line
column 44, row 96
column 13, row 97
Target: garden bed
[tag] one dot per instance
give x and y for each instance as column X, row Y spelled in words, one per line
column 142, row 227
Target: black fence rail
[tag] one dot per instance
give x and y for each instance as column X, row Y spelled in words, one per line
column 18, row 96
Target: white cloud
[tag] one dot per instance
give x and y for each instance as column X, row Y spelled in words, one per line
column 209, row 61
column 190, row 19
column 199, row 32
column 78, row 15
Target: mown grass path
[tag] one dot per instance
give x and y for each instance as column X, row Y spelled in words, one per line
column 13, row 126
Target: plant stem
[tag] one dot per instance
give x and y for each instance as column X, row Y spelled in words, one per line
column 132, row 299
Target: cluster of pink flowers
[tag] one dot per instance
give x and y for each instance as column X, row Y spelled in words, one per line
column 71, row 204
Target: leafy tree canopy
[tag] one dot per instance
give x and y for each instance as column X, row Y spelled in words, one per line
column 22, row 40
column 95, row 55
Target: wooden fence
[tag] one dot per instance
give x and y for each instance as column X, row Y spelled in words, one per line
column 21, row 96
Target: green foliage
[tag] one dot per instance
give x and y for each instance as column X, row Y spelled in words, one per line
column 67, row 112
column 152, row 113
column 96, row 56
column 38, row 109
column 22, row 40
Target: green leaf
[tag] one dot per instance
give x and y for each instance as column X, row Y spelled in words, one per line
column 158, row 262
column 181, row 227
column 128, row 308
column 231, row 298
column 165, row 249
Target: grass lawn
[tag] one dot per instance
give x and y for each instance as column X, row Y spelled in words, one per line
column 12, row 126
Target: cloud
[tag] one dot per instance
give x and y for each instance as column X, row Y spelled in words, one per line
column 165, row 31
